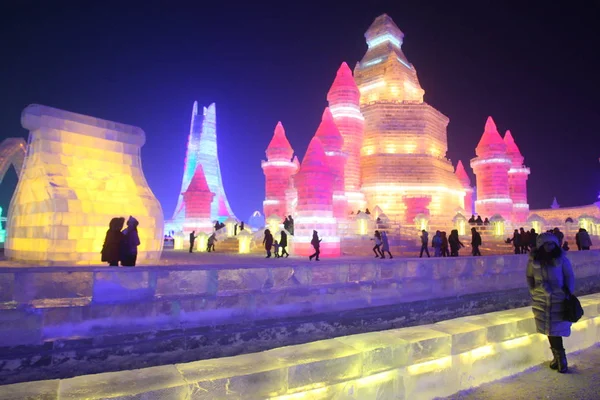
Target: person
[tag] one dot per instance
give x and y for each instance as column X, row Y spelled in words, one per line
column 235, row 228
column 192, row 240
column 472, row 220
column 377, row 248
column 582, row 238
column 479, row 221
column 565, row 246
column 436, row 243
column 283, row 244
column 241, row 226
column 112, row 242
column 210, row 243
column 486, row 221
column 454, row 242
column 286, row 224
column 268, row 242
column 549, row 271
column 130, row 243
column 276, row 248
column 475, row 242
column 367, row 211
column 532, row 239
column 316, row 244
column 424, row 241
column 291, row 230
column 444, row 249
column 385, row 245
column 516, row 241
column 524, row 240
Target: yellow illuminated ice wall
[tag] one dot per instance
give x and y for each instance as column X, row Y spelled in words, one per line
column 79, row 172
column 403, row 165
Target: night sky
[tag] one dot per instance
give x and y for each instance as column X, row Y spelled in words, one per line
column 533, row 67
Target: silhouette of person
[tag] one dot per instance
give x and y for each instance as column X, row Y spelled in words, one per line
column 192, row 240
column 131, row 241
column 283, row 242
column 111, row 249
column 316, row 244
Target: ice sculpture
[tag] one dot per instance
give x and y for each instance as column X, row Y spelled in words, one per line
column 554, row 204
column 344, row 104
column 278, row 170
column 403, row 164
column 491, row 168
column 197, row 199
column 517, row 180
column 12, row 152
column 202, row 150
column 314, row 183
column 79, row 173
column 256, row 220
column 462, row 176
column 333, row 142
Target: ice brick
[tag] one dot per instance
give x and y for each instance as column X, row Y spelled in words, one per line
column 430, row 379
column 40, row 390
column 259, row 374
column 380, row 351
column 465, row 336
column 318, row 363
column 122, row 383
column 425, row 343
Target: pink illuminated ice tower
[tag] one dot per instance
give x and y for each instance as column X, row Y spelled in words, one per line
column 278, row 170
column 333, row 142
column 517, row 180
column 462, row 176
column 491, row 168
column 314, row 211
column 344, row 104
column 198, row 199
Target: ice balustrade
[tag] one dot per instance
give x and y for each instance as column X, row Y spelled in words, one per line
column 421, row 362
column 37, row 303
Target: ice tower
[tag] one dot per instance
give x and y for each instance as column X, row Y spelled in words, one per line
column 202, row 150
column 278, row 170
column 403, row 165
column 344, row 104
column 333, row 142
column 462, row 176
column 314, row 183
column 517, row 180
column 491, row 168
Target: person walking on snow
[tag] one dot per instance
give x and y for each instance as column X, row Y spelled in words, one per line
column 385, row 245
column 424, row 243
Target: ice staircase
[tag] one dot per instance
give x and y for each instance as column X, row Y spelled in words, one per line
column 420, row 362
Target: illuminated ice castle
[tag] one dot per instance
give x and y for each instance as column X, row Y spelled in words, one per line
column 386, row 149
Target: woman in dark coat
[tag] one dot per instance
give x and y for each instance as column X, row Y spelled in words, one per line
column 548, row 272
column 283, row 244
column 268, row 242
column 131, row 241
column 316, row 244
column 111, row 249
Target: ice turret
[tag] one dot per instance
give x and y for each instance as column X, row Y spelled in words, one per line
column 278, row 170
column 491, row 168
column 404, row 168
column 344, row 104
column 464, row 179
column 517, row 180
column 333, row 142
column 314, row 183
column 197, row 199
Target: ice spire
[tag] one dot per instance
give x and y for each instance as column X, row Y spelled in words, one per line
column 555, row 204
column 461, row 173
column 279, row 147
column 198, row 182
column 382, row 30
column 343, row 88
column 491, row 139
column 328, row 133
column 315, row 158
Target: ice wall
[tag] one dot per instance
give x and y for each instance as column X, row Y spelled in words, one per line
column 79, row 173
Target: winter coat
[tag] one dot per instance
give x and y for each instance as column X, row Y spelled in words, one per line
column 377, row 240
column 283, row 239
column 268, row 241
column 546, row 281
column 584, row 239
column 385, row 243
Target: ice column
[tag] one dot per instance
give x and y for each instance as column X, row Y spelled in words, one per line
column 79, row 173
column 517, row 180
column 333, row 143
column 278, row 170
column 344, row 104
column 491, row 168
column 314, row 183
